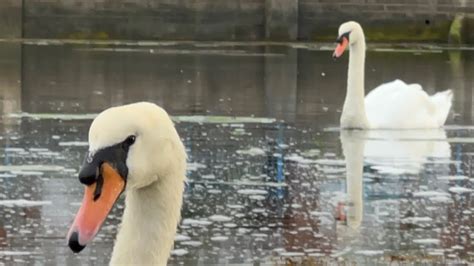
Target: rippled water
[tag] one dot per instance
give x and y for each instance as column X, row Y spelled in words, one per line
column 271, row 178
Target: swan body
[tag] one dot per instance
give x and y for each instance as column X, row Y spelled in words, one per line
column 393, row 105
column 138, row 144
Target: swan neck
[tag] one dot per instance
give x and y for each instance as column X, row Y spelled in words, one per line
column 353, row 114
column 149, row 223
column 356, row 71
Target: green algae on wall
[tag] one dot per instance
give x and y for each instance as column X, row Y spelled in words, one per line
column 397, row 33
column 100, row 35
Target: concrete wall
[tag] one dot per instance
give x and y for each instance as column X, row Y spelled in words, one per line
column 145, row 19
column 384, row 20
column 11, row 18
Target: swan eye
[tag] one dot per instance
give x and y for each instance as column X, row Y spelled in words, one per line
column 130, row 140
column 342, row 36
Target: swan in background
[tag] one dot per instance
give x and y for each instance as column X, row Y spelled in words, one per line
column 390, row 105
column 388, row 152
column 133, row 148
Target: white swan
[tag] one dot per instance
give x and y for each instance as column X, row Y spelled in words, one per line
column 137, row 149
column 390, row 105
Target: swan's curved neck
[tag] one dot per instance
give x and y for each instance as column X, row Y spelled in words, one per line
column 353, row 112
column 149, row 222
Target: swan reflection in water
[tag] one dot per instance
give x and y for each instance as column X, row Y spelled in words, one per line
column 393, row 153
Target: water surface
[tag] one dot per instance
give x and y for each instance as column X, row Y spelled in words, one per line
column 271, row 178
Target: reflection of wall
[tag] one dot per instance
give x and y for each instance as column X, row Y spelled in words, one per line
column 69, row 79
column 297, row 85
column 280, row 82
column 460, row 67
column 10, row 81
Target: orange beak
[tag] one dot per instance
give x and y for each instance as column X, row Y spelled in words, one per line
column 93, row 212
column 341, row 47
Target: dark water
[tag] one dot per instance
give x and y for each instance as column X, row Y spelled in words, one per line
column 277, row 183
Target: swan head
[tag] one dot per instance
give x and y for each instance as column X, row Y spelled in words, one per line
column 130, row 147
column 349, row 34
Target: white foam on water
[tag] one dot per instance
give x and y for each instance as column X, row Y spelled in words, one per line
column 252, row 191
column 7, row 175
column 184, row 118
column 436, row 252
column 426, row 241
column 319, row 213
column 70, row 170
column 27, row 173
column 191, row 243
column 257, row 197
column 210, row 176
column 214, row 191
column 331, row 162
column 308, row 250
column 219, row 238
column 179, row 252
column 299, row 159
column 12, row 149
column 73, row 143
column 460, row 190
column 179, row 238
column 15, row 253
column 260, row 235
column 311, row 153
column 32, row 167
column 195, row 222
column 453, row 178
column 415, row 220
column 38, row 116
column 235, row 206
column 50, row 154
column 430, row 194
column 292, row 254
column 369, row 252
column 441, row 199
column 259, row 210
column 254, row 183
column 393, row 170
column 38, row 149
column 253, row 151
column 223, row 119
column 316, row 254
column 230, row 225
column 220, row 218
column 23, row 203
column 194, row 166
